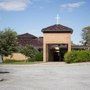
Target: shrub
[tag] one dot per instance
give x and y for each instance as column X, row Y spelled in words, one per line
column 32, row 53
column 82, row 56
column 29, row 51
column 31, row 59
column 39, row 56
column 70, row 57
column 77, row 56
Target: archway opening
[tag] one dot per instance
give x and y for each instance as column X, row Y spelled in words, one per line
column 57, row 52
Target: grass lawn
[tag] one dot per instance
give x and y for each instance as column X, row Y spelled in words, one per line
column 21, row 62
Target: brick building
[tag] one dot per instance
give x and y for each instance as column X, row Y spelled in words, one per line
column 56, row 42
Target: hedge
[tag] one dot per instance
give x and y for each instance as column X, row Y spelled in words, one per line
column 77, row 56
column 39, row 56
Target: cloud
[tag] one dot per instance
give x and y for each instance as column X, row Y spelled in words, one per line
column 43, row 1
column 14, row 5
column 72, row 6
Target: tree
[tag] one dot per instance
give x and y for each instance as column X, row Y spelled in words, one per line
column 8, row 41
column 86, row 36
column 29, row 51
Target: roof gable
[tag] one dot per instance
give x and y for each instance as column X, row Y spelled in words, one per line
column 57, row 29
column 27, row 35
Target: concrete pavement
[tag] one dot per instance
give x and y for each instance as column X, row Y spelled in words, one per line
column 46, row 76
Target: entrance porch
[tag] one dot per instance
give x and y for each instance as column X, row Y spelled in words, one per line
column 56, row 42
column 56, row 52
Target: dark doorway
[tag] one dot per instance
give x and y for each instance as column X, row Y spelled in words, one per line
column 57, row 54
column 62, row 53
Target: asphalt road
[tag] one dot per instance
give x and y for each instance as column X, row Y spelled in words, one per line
column 46, row 76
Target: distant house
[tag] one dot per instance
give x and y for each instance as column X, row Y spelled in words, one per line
column 29, row 39
column 78, row 47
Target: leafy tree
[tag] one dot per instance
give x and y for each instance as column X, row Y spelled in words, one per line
column 86, row 36
column 29, row 51
column 8, row 41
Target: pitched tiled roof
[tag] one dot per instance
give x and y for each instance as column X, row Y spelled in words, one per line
column 27, row 35
column 38, row 43
column 28, row 39
column 57, row 29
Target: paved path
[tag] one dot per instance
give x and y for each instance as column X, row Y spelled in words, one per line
column 46, row 76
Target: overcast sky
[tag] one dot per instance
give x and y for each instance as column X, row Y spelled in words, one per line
column 33, row 15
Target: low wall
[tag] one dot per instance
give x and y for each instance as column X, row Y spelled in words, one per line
column 17, row 57
column 0, row 59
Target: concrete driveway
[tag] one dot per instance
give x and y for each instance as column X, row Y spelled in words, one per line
column 46, row 76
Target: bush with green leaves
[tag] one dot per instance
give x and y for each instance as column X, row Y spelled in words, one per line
column 77, row 56
column 39, row 56
column 29, row 51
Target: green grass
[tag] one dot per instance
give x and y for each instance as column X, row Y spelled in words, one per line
column 19, row 62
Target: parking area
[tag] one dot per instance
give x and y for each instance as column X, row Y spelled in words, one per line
column 46, row 76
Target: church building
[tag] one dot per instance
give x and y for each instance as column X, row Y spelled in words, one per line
column 56, row 42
